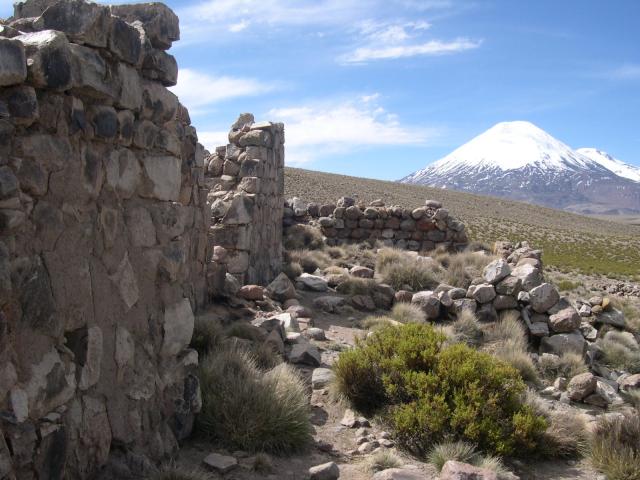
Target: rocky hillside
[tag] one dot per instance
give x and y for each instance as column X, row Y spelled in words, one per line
column 569, row 241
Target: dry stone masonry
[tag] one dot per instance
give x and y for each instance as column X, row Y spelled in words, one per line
column 421, row 229
column 102, row 239
column 246, row 182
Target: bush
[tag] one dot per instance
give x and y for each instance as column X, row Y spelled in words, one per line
column 207, row 335
column 620, row 350
column 614, row 447
column 407, row 313
column 246, row 409
column 567, row 365
column 428, row 392
column 300, row 237
column 383, row 460
column 466, row 328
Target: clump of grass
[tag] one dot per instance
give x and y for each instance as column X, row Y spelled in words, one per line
column 567, row 365
column 244, row 330
column 614, row 448
column 407, row 313
column 621, row 351
column 374, row 322
column 309, row 260
column 460, row 268
column 466, row 453
column 247, row 409
column 567, row 285
column 508, row 329
column 513, row 353
column 356, row 286
column 207, row 334
column 262, row 464
column 292, row 270
column 632, row 397
column 466, row 328
column 300, row 237
column 383, row 460
column 172, row 472
column 401, row 270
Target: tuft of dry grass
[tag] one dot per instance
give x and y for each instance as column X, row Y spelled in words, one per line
column 400, row 270
column 466, row 328
column 567, row 365
column 614, row 448
column 207, row 335
column 373, row 322
column 460, row 268
column 466, row 453
column 514, row 355
column 620, row 350
column 292, row 270
column 383, row 460
column 301, row 237
column 309, row 260
column 508, row 328
column 262, row 464
column 407, row 313
column 356, row 286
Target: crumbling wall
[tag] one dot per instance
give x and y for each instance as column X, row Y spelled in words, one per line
column 102, row 239
column 246, row 181
column 421, row 229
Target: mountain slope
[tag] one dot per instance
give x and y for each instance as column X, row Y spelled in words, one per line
column 518, row 160
column 618, row 167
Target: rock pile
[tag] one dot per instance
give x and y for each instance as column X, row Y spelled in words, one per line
column 246, row 183
column 102, row 238
column 421, row 229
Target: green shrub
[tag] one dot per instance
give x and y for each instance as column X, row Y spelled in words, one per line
column 207, row 334
column 567, row 365
column 620, row 350
column 383, row 460
column 428, row 392
column 244, row 408
column 300, row 237
column 614, row 447
column 407, row 313
column 466, row 328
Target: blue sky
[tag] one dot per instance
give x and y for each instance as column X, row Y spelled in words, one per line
column 380, row 88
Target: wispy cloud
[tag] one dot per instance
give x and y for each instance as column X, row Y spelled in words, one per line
column 198, row 90
column 316, row 130
column 430, row 48
column 628, row 71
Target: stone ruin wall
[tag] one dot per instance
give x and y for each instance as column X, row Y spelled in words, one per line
column 102, row 239
column 246, row 182
column 421, row 229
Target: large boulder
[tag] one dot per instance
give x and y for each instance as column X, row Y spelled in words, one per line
column 399, row 474
column 496, row 271
column 313, row 282
column 581, row 386
column 566, row 320
column 483, row 293
column 281, row 289
column 612, row 317
column 305, row 354
column 160, row 24
column 543, row 297
column 529, row 275
column 326, row 471
column 563, row 342
column 428, row 302
column 82, row 22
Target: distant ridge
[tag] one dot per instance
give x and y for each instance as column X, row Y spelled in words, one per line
column 520, row 161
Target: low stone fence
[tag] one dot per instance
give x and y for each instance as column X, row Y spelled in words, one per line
column 246, row 183
column 421, row 229
column 102, row 239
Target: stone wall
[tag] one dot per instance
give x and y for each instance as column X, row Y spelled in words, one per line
column 102, row 239
column 421, row 229
column 246, row 182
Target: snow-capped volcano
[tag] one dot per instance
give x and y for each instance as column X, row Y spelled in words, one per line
column 616, row 166
column 518, row 160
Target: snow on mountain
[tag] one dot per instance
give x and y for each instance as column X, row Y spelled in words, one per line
column 520, row 161
column 616, row 166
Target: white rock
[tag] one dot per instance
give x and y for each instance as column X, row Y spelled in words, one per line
column 220, row 463
column 178, row 327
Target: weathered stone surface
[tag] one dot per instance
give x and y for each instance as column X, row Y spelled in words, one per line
column 399, row 474
column 429, row 303
column 563, row 342
column 82, row 22
column 612, row 317
column 529, row 276
column 483, row 293
column 281, row 288
column 251, row 292
column 496, row 271
column 163, row 177
column 313, row 282
column 321, row 377
column 178, row 327
column 49, row 59
column 326, row 471
column 543, row 297
column 305, row 353
column 125, row 42
column 160, row 24
column 13, row 63
column 220, row 463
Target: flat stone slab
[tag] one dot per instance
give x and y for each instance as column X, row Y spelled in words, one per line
column 220, row 463
column 321, row 377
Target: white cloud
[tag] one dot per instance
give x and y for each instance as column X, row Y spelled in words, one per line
column 430, row 48
column 212, row 139
column 316, row 130
column 238, row 27
column 197, row 90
